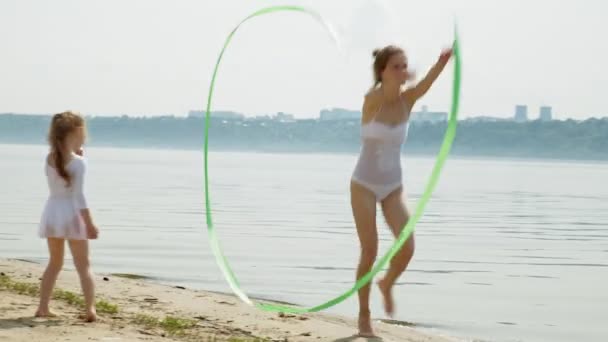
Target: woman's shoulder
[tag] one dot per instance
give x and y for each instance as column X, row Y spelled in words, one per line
column 373, row 94
column 372, row 101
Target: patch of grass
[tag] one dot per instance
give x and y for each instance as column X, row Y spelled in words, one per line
column 234, row 339
column 68, row 297
column 145, row 320
column 176, row 325
column 179, row 327
column 106, row 308
column 33, row 290
column 171, row 325
column 18, row 287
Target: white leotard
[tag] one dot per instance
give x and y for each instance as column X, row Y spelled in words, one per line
column 379, row 166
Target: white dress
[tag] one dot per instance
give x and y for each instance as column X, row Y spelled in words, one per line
column 61, row 217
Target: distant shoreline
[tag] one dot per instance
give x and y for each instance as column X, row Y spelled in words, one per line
column 351, row 153
column 548, row 140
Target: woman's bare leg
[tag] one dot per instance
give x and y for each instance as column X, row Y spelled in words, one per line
column 363, row 204
column 396, row 215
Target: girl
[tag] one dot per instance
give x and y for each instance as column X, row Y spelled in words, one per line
column 377, row 175
column 66, row 215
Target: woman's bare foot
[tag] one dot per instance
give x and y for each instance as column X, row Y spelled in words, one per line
column 387, row 294
column 44, row 313
column 365, row 325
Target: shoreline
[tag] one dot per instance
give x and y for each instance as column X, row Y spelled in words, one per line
column 134, row 308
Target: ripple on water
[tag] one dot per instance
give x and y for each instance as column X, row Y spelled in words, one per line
column 530, row 276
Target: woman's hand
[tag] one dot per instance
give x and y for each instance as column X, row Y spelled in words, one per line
column 446, row 55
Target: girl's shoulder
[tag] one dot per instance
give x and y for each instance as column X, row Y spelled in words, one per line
column 72, row 159
column 77, row 161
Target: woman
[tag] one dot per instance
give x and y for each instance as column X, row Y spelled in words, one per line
column 377, row 175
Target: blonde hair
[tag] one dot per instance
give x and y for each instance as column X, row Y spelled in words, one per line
column 61, row 126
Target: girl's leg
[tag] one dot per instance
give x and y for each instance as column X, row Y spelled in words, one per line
column 80, row 254
column 56, row 252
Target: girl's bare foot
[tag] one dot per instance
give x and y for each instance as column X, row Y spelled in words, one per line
column 365, row 325
column 387, row 294
column 90, row 316
column 44, row 313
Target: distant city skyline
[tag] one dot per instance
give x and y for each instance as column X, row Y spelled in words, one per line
column 155, row 57
column 520, row 113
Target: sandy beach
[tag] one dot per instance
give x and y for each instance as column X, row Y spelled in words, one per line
column 140, row 310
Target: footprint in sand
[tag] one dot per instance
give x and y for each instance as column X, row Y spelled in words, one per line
column 151, row 300
column 284, row 315
column 226, row 303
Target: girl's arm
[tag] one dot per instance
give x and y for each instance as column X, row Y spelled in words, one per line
column 81, row 201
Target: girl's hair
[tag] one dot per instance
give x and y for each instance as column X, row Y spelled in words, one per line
column 381, row 57
column 62, row 125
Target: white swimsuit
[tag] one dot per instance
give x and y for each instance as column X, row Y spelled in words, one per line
column 379, row 166
column 61, row 216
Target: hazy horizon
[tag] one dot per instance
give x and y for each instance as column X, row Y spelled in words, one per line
column 155, row 57
column 308, row 117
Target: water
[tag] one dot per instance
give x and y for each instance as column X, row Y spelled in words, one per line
column 506, row 251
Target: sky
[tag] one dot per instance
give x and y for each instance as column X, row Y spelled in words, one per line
column 156, row 57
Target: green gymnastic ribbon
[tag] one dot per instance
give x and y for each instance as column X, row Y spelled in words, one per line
column 405, row 233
